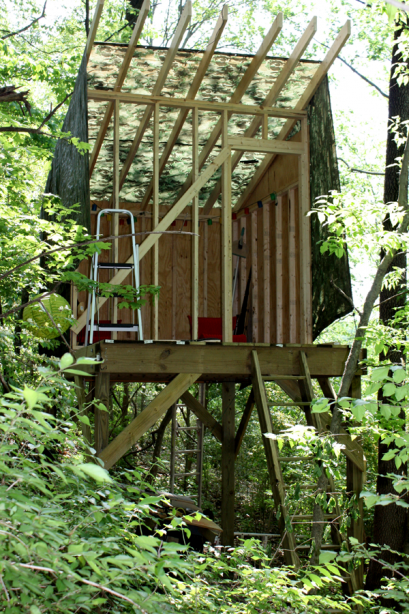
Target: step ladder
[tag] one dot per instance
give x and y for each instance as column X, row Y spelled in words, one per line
column 96, row 267
column 183, row 447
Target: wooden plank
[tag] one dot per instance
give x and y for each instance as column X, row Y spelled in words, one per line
column 195, row 226
column 243, row 264
column 163, row 225
column 273, row 462
column 163, row 73
column 241, row 143
column 245, row 419
column 270, row 99
column 80, row 392
column 228, row 458
column 94, row 27
column 204, row 416
column 115, row 218
column 285, row 289
column 101, row 417
column 213, row 272
column 155, row 219
column 183, row 282
column 305, row 241
column 262, row 316
column 279, row 269
column 307, row 392
column 166, row 302
column 265, row 234
column 254, row 278
column 233, row 360
column 136, row 33
column 273, row 274
column 149, row 100
column 226, row 268
column 292, row 263
column 194, row 88
column 147, row 418
column 303, row 102
column 327, row 388
column 205, row 266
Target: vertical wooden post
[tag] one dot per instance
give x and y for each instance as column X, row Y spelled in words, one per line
column 265, row 127
column 228, row 456
column 205, row 267
column 355, row 483
column 254, row 278
column 279, row 269
column 115, row 218
column 305, row 238
column 226, row 219
column 266, row 274
column 195, row 227
column 292, row 267
column 155, row 219
column 101, row 417
column 173, row 449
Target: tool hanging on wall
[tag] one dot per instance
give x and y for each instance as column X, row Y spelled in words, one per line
column 96, row 267
column 239, row 250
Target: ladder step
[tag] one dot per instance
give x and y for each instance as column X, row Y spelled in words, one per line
column 188, row 428
column 179, row 474
column 117, row 327
column 185, row 451
column 115, row 265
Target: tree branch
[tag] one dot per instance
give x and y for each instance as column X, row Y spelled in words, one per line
column 39, row 129
column 358, row 170
column 26, row 27
column 10, row 93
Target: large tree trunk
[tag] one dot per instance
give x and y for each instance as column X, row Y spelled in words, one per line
column 390, row 520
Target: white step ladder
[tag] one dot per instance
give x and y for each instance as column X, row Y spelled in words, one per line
column 96, row 267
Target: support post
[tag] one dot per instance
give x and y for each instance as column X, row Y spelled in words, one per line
column 155, row 220
column 228, row 393
column 245, row 419
column 80, row 392
column 115, row 218
column 195, row 228
column 173, row 449
column 226, row 229
column 355, row 483
column 305, row 238
column 101, row 417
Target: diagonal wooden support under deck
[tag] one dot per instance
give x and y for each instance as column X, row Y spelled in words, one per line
column 201, row 412
column 245, row 419
column 155, row 410
column 273, row 461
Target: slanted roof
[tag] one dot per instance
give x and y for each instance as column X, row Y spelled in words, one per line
column 221, row 79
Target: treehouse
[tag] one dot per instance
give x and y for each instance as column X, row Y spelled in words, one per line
column 211, row 162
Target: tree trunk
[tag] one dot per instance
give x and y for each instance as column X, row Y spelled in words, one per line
column 158, row 446
column 390, row 520
column 132, row 14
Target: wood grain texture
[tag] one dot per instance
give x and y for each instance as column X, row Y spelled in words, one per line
column 245, row 419
column 204, row 416
column 101, row 417
column 147, row 418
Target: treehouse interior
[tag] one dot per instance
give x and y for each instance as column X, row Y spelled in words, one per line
column 217, row 157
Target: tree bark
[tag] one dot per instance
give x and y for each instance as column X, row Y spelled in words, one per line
column 390, row 521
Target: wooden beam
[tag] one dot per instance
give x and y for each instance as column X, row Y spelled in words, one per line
column 195, row 228
column 163, row 73
column 162, row 227
column 155, row 221
column 226, row 241
column 273, row 461
column 294, row 288
column 303, row 102
column 194, row 88
column 147, row 418
column 266, row 273
column 204, row 416
column 242, row 143
column 307, row 392
column 80, row 392
column 305, row 239
column 245, row 419
column 101, row 417
column 149, row 100
column 228, row 458
column 327, row 388
column 137, row 31
column 94, row 27
column 269, row 101
column 279, row 269
column 115, row 218
column 239, row 92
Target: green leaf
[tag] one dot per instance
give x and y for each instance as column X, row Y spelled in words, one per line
column 66, row 361
column 34, row 610
column 320, row 406
column 326, row 556
column 399, row 375
column 31, row 397
column 379, row 374
column 389, row 389
column 385, row 411
column 97, row 473
column 84, row 420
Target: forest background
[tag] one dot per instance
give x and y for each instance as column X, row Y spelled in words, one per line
column 42, row 47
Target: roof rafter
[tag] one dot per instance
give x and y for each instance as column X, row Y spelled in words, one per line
column 94, row 27
column 270, row 99
column 137, row 31
column 200, row 73
column 164, row 71
column 248, row 76
column 309, row 92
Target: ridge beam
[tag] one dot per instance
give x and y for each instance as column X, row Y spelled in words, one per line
column 269, row 101
column 151, row 414
column 123, row 71
column 239, row 92
column 160, row 82
column 303, row 102
column 194, row 88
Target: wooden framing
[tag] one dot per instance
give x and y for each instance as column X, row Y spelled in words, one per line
column 137, row 31
column 227, row 308
column 201, row 412
column 195, row 227
column 155, row 218
column 228, row 458
column 94, row 27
